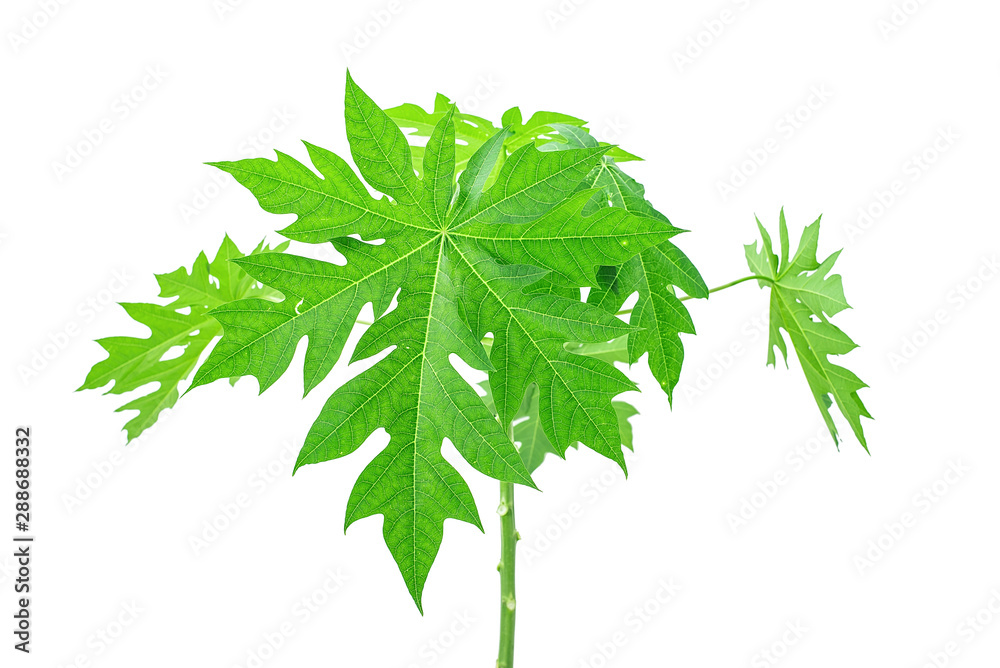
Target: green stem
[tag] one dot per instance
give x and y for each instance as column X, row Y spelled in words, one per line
column 732, row 283
column 508, row 553
column 721, row 287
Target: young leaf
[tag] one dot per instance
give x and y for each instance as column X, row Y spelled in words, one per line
column 472, row 131
column 803, row 298
column 136, row 362
column 457, row 271
column 547, row 127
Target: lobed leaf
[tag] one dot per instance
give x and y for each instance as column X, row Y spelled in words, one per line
column 803, row 297
column 135, row 362
column 501, row 249
column 653, row 274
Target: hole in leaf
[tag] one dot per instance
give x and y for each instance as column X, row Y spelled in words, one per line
column 173, row 353
column 371, row 242
column 393, row 303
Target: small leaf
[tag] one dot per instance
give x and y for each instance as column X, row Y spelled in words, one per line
column 803, row 296
column 134, row 362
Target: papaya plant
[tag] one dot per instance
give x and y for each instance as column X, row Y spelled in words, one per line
column 524, row 250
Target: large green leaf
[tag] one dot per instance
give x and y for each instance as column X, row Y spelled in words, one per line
column 458, row 267
column 184, row 324
column 803, row 297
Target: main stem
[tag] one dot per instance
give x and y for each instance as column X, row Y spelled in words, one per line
column 509, row 538
column 508, row 555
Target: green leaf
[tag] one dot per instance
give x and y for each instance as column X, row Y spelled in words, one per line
column 615, row 350
column 653, row 274
column 439, row 169
column 576, row 135
column 542, row 129
column 477, row 172
column 471, row 131
column 534, row 445
column 459, row 266
column 539, row 126
column 546, row 128
column 330, row 205
column 321, row 301
column 530, row 184
column 134, row 362
column 529, row 333
column 609, row 236
column 803, row 297
column 529, row 433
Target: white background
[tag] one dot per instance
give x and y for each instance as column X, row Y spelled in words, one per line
column 228, row 75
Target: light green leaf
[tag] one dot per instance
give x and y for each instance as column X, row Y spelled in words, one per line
column 543, row 129
column 470, row 131
column 803, row 297
column 135, row 362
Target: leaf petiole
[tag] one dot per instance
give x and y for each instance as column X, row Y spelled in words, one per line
column 731, row 284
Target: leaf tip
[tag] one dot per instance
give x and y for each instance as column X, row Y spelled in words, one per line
column 529, row 482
